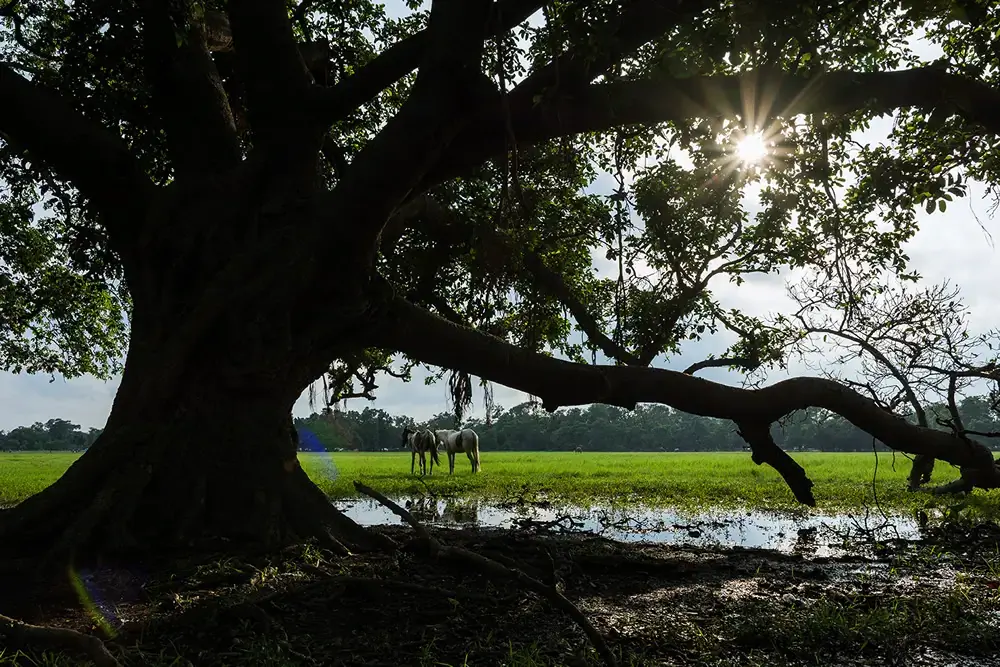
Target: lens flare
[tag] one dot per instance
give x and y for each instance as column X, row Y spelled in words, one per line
column 102, row 592
column 315, row 459
column 752, row 149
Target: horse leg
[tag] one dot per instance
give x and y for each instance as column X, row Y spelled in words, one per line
column 451, row 462
column 413, row 459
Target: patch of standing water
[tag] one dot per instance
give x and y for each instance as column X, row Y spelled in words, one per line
column 818, row 533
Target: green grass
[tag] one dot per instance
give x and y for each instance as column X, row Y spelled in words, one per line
column 843, row 480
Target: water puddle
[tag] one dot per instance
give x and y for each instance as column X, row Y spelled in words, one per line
column 816, row 532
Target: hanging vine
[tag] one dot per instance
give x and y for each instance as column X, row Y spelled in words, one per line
column 488, row 403
column 620, row 197
column 460, row 393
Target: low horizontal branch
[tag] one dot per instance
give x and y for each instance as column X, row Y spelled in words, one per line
column 20, row 634
column 428, row 338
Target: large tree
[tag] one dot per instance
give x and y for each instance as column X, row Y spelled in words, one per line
column 260, row 188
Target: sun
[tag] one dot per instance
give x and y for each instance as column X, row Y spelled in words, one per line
column 751, row 149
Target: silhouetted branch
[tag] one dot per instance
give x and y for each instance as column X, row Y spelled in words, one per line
column 433, row 340
column 400, row 59
column 658, row 99
column 722, row 362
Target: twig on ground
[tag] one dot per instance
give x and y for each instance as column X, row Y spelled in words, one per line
column 490, row 566
column 19, row 632
column 548, row 526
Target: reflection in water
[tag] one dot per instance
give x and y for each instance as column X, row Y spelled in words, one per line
column 427, row 510
column 798, row 531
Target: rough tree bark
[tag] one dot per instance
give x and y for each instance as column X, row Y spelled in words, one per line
column 199, row 441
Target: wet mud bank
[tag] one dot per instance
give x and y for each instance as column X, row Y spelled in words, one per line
column 657, row 604
column 930, row 602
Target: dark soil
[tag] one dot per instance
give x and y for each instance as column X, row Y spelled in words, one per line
column 934, row 603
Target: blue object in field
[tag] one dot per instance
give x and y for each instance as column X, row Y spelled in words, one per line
column 308, row 442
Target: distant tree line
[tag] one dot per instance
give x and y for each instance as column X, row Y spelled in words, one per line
column 527, row 427
column 55, row 434
column 649, row 428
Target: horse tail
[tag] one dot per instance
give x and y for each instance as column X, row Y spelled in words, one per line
column 433, row 446
column 475, row 448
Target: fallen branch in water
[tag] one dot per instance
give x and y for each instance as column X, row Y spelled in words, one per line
column 25, row 634
column 490, row 566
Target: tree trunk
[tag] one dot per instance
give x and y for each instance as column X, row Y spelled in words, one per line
column 195, row 447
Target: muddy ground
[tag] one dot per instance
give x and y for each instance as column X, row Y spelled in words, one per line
column 928, row 603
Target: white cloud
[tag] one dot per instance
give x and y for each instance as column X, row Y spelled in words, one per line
column 26, row 399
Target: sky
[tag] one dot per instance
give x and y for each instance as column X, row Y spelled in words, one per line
column 949, row 245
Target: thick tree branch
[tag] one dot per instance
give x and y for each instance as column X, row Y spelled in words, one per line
column 187, row 90
column 400, row 59
column 765, row 450
column 79, row 150
column 430, row 339
column 567, row 75
column 755, row 94
column 273, row 71
column 640, row 21
column 449, row 90
column 458, row 30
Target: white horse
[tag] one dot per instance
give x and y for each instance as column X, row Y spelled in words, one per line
column 420, row 443
column 454, row 442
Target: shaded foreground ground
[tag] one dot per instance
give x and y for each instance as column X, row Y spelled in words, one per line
column 933, row 603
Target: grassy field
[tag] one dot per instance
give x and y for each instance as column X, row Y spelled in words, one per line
column 659, row 479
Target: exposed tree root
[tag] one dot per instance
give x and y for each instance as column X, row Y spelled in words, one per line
column 492, row 567
column 20, row 634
